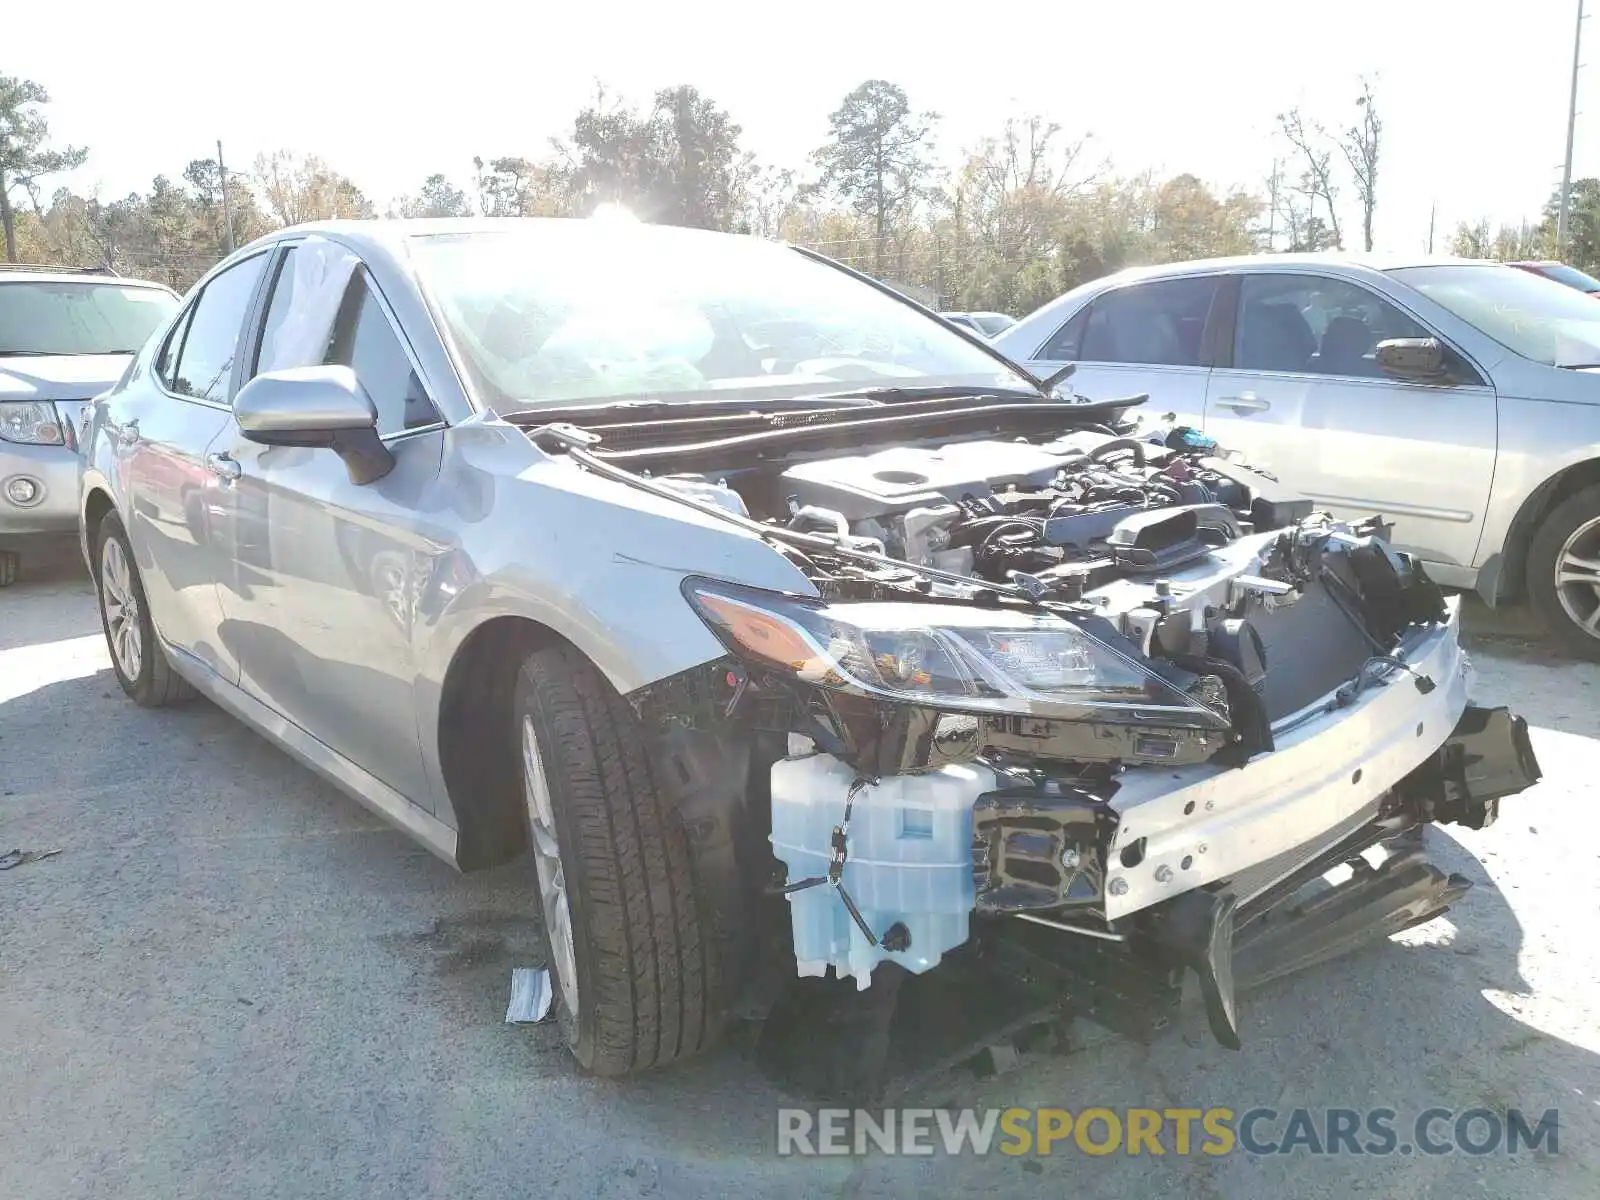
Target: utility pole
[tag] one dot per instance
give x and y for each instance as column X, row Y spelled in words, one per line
column 1432, row 214
column 1272, row 208
column 1572, row 121
column 227, row 213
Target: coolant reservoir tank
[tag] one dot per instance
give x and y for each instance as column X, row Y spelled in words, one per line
column 909, row 862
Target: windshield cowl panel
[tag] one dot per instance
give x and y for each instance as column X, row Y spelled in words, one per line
column 566, row 313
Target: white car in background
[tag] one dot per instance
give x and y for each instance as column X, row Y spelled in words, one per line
column 1459, row 399
column 66, row 335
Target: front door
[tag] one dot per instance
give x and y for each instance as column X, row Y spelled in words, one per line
column 1141, row 339
column 165, row 429
column 319, row 592
column 1302, row 396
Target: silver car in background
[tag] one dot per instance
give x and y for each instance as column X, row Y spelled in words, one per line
column 787, row 626
column 66, row 334
column 1460, row 399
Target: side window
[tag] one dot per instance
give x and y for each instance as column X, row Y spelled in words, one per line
column 167, row 362
column 1157, row 323
column 1067, row 344
column 1315, row 325
column 365, row 341
column 212, row 338
column 278, row 306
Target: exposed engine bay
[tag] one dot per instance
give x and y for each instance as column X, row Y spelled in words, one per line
column 1081, row 686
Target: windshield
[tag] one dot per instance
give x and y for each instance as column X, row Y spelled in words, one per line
column 72, row 317
column 1526, row 313
column 575, row 311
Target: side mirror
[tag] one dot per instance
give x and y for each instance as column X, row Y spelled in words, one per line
column 315, row 406
column 1420, row 359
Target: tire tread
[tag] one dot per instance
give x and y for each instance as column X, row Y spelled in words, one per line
column 651, row 992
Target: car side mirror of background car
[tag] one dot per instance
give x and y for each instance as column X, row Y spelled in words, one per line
column 1420, row 359
column 315, row 406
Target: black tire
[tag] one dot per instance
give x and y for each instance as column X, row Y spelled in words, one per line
column 1570, row 516
column 645, row 964
column 155, row 684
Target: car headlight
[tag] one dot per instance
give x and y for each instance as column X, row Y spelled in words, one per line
column 31, row 422
column 953, row 657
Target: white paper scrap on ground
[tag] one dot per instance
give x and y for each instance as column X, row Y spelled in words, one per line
column 530, row 996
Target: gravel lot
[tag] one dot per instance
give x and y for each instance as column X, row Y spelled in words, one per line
column 235, row 982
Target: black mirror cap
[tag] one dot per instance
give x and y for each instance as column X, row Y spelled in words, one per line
column 365, row 456
column 1412, row 358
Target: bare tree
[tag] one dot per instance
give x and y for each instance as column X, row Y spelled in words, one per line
column 1311, row 144
column 1360, row 147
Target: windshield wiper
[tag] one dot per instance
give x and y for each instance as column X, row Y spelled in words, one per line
column 934, row 391
column 60, row 353
column 730, row 405
column 1579, row 366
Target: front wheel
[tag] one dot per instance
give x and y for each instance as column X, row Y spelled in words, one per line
column 1564, row 573
column 136, row 655
column 634, row 967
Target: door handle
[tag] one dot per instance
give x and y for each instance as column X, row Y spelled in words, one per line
column 224, row 466
column 1245, row 402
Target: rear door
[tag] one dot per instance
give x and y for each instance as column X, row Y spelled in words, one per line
column 164, row 429
column 1299, row 392
column 1148, row 337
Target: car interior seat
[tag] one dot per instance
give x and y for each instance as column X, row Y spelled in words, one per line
column 1345, row 345
column 1275, row 337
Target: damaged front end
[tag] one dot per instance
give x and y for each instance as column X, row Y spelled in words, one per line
column 1086, row 710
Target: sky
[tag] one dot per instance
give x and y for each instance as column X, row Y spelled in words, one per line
column 1473, row 97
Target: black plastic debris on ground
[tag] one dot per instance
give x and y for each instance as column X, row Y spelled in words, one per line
column 983, row 1010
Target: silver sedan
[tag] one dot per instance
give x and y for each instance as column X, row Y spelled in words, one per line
column 753, row 600
column 1460, row 399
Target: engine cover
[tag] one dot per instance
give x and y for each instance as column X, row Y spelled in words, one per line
column 906, row 477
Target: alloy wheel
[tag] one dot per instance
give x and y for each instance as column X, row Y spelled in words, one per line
column 120, row 606
column 1578, row 577
column 547, row 862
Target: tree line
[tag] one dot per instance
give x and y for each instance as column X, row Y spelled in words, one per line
column 1025, row 214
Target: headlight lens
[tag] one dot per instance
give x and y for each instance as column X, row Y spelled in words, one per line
column 945, row 656
column 31, row 422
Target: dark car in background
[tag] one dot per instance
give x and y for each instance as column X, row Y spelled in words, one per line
column 989, row 324
column 1562, row 273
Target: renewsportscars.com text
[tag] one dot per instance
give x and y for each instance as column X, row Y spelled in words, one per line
column 1161, row 1131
